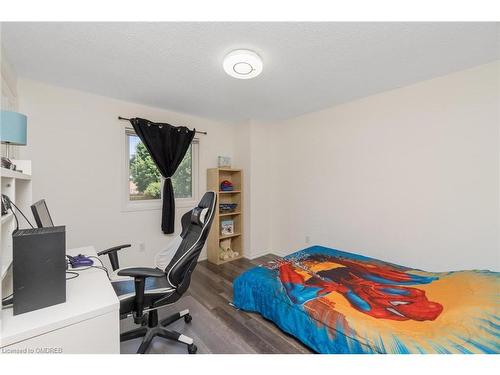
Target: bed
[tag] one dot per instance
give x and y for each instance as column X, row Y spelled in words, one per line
column 339, row 302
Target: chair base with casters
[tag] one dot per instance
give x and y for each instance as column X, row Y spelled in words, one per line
column 143, row 290
column 153, row 329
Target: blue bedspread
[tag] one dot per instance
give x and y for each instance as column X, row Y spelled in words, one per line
column 338, row 302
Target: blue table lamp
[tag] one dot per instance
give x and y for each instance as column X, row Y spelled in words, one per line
column 13, row 127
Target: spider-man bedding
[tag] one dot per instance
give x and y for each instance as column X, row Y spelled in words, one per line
column 338, row 302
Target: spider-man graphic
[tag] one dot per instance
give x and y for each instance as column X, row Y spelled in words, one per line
column 340, row 302
column 380, row 291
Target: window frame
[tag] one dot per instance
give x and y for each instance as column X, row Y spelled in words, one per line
column 156, row 204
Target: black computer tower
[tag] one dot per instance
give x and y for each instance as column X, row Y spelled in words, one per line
column 39, row 268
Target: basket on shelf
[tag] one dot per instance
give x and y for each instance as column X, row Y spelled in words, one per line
column 226, row 186
column 227, row 207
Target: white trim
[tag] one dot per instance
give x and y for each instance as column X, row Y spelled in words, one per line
column 265, row 252
column 156, row 204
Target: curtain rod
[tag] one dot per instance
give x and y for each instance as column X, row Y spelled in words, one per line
column 127, row 119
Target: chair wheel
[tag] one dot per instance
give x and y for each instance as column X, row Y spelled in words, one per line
column 188, row 318
column 192, row 349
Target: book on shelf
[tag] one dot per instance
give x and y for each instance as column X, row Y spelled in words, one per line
column 227, row 227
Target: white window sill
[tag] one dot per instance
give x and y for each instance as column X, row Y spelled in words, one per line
column 156, row 205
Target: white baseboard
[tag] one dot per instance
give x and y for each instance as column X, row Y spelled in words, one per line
column 257, row 255
column 265, row 252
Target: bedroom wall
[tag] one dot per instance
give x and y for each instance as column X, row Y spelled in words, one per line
column 77, row 146
column 409, row 176
column 8, row 79
column 254, row 155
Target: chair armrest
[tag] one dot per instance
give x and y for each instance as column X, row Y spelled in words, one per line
column 113, row 256
column 141, row 272
column 114, row 248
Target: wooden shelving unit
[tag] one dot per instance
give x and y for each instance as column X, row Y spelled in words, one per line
column 214, row 178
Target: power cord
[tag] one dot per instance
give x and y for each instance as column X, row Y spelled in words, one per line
column 101, row 267
column 8, row 301
column 100, row 261
column 17, row 208
column 102, row 264
column 75, row 275
column 17, row 221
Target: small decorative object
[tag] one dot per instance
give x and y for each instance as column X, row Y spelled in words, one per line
column 225, row 244
column 226, row 186
column 226, row 252
column 227, row 207
column 224, row 161
column 227, row 227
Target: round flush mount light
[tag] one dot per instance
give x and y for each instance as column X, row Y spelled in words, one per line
column 243, row 64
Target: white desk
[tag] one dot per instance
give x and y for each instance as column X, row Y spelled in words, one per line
column 88, row 322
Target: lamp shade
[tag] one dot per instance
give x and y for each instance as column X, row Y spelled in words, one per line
column 13, row 127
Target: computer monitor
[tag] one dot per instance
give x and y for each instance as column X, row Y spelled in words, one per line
column 41, row 214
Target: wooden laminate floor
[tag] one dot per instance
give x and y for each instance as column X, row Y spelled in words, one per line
column 217, row 327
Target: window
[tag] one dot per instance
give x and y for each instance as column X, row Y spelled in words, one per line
column 145, row 182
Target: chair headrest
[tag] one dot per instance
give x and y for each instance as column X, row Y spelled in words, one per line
column 198, row 215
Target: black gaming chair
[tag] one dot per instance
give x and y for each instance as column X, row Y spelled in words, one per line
column 143, row 290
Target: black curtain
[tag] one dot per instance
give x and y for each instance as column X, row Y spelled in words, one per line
column 167, row 145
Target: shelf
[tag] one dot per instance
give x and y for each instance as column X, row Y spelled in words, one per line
column 231, row 213
column 13, row 174
column 215, row 176
column 229, row 236
column 229, row 170
column 6, row 217
column 229, row 260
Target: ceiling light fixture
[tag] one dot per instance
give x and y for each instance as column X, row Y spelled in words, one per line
column 243, row 64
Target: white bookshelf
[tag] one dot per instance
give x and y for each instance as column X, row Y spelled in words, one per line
column 17, row 186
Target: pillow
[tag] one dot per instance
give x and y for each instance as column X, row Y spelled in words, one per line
column 198, row 215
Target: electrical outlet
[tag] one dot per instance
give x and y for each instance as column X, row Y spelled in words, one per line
column 142, row 246
column 308, row 239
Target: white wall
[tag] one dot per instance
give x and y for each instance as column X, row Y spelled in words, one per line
column 77, row 146
column 8, row 91
column 409, row 176
column 254, row 155
column 8, row 83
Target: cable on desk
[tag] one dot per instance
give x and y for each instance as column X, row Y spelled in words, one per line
column 75, row 275
column 102, row 265
column 79, row 269
column 8, row 301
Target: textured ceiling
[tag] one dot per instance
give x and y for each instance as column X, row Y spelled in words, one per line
column 307, row 66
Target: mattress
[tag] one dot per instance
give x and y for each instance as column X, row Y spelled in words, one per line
column 339, row 302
